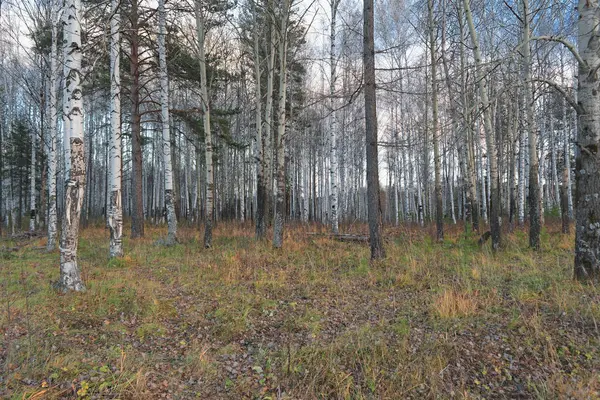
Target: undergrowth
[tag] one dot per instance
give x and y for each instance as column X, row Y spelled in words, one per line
column 315, row 320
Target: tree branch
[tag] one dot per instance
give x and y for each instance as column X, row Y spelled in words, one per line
column 563, row 92
column 570, row 46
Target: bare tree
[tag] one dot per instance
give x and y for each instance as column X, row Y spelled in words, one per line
column 70, row 276
column 208, row 142
column 166, row 129
column 373, row 191
column 53, row 133
column 489, row 132
column 115, row 212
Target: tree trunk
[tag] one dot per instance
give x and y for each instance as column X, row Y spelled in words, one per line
column 564, row 205
column 70, row 276
column 32, row 208
column 208, row 146
column 261, row 167
column 115, row 212
column 280, row 140
column 137, row 199
column 53, row 134
column 489, row 133
column 439, row 209
column 587, row 160
column 333, row 126
column 268, row 121
column 373, row 192
column 534, row 188
column 472, row 203
column 166, row 131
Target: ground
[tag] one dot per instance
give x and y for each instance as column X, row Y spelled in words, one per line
column 315, row 320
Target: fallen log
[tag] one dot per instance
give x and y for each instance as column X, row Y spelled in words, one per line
column 343, row 237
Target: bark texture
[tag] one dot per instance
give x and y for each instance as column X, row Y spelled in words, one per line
column 208, row 149
column 333, row 167
column 70, row 276
column 115, row 211
column 166, row 133
column 587, row 160
column 439, row 209
column 489, row 132
column 137, row 195
column 373, row 192
column 534, row 186
column 281, row 131
column 52, row 142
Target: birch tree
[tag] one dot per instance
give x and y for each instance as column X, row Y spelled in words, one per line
column 281, row 131
column 53, row 133
column 587, row 160
column 166, row 135
column 70, row 275
column 208, row 144
column 32, row 190
column 115, row 212
column 439, row 210
column 489, row 132
column 137, row 196
column 333, row 167
column 261, row 184
column 534, row 187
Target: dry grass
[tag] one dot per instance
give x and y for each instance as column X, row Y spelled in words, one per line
column 312, row 321
column 453, row 304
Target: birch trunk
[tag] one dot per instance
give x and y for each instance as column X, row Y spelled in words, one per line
column 587, row 160
column 137, row 197
column 513, row 133
column 166, row 133
column 268, row 122
column 521, row 183
column 70, row 276
column 281, row 131
column 439, row 209
column 472, row 203
column 53, row 114
column 566, row 200
column 261, row 167
column 553, row 166
column 115, row 213
column 489, row 133
column 208, row 149
column 32, row 208
column 333, row 168
column 534, row 188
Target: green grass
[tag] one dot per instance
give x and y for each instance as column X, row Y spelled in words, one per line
column 315, row 320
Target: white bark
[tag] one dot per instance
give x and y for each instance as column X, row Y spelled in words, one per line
column 166, row 135
column 281, row 128
column 333, row 167
column 587, row 162
column 489, row 132
column 268, row 122
column 521, row 184
column 208, row 150
column 32, row 172
column 53, row 133
column 261, row 166
column 115, row 212
column 535, row 212
column 555, row 186
column 70, row 276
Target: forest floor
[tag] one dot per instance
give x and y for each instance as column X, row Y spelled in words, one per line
column 315, row 320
